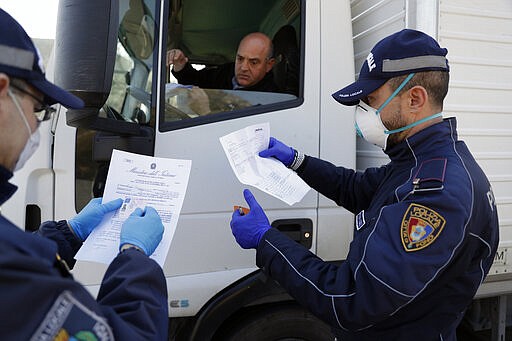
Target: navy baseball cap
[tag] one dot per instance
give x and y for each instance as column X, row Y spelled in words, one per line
column 401, row 53
column 19, row 58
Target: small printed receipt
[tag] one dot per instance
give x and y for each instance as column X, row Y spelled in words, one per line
column 267, row 174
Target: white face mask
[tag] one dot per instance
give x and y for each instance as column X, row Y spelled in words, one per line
column 28, row 150
column 369, row 124
column 33, row 140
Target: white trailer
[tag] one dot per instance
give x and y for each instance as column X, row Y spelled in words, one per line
column 111, row 53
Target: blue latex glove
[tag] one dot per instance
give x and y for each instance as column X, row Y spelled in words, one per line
column 91, row 215
column 248, row 229
column 143, row 229
column 280, row 151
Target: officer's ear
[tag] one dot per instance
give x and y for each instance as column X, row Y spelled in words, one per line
column 417, row 99
column 4, row 84
column 4, row 98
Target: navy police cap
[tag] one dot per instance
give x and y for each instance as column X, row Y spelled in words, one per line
column 19, row 58
column 399, row 54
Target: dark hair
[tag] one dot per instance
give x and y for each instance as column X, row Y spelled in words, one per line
column 435, row 82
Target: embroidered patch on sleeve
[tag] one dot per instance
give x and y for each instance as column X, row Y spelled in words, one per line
column 360, row 220
column 420, row 227
column 69, row 319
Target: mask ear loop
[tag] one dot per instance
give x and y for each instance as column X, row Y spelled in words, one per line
column 400, row 87
column 363, row 106
column 414, row 124
column 20, row 111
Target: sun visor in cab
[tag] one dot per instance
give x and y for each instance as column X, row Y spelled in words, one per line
column 86, row 41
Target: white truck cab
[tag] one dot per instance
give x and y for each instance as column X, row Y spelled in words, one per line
column 112, row 55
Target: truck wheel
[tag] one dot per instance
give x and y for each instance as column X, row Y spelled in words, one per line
column 281, row 323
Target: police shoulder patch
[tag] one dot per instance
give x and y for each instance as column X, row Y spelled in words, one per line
column 420, row 227
column 69, row 319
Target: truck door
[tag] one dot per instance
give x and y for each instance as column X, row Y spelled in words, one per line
column 134, row 103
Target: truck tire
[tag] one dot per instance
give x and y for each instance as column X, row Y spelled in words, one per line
column 279, row 323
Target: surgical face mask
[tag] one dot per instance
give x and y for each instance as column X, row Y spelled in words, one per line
column 33, row 140
column 28, row 150
column 369, row 125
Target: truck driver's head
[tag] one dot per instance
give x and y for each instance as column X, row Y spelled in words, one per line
column 254, row 59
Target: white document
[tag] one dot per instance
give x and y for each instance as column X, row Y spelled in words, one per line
column 140, row 181
column 267, row 174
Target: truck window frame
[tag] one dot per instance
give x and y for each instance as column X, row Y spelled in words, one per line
column 164, row 126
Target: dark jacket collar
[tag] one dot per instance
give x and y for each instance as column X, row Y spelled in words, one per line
column 27, row 243
column 266, row 84
column 425, row 141
column 6, row 189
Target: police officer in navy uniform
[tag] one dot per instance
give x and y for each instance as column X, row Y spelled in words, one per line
column 40, row 299
column 426, row 223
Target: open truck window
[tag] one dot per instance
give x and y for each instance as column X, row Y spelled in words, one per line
column 208, row 34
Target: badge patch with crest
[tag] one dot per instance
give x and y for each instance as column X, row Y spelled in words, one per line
column 420, row 227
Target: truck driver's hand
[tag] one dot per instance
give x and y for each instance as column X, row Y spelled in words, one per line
column 177, row 58
column 143, row 229
column 280, row 151
column 249, row 229
column 91, row 215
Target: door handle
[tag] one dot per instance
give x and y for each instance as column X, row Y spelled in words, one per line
column 300, row 230
column 32, row 217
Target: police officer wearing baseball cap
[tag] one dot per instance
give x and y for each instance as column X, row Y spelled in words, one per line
column 40, row 299
column 426, row 225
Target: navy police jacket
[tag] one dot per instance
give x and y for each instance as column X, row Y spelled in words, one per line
column 425, row 238
column 41, row 301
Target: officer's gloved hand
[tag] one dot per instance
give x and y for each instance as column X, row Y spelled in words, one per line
column 280, row 151
column 91, row 215
column 248, row 229
column 143, row 229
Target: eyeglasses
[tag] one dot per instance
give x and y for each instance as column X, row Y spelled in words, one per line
column 42, row 111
